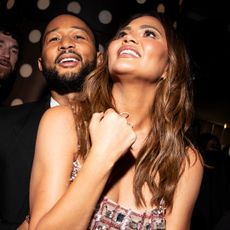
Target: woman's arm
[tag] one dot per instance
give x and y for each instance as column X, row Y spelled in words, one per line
column 186, row 194
column 54, row 202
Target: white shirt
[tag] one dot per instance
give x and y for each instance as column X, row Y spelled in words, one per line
column 53, row 102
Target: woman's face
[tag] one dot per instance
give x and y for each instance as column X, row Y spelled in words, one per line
column 139, row 50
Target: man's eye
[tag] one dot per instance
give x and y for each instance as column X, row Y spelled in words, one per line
column 53, row 39
column 79, row 37
column 15, row 51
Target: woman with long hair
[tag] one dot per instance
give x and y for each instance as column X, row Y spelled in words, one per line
column 121, row 157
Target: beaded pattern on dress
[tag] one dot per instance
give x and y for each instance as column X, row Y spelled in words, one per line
column 76, row 169
column 110, row 216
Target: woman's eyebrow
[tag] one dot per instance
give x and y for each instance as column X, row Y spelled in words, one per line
column 152, row 27
column 143, row 27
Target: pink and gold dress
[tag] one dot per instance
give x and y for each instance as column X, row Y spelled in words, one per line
column 109, row 215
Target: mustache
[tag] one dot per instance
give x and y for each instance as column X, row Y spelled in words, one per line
column 5, row 62
column 68, row 51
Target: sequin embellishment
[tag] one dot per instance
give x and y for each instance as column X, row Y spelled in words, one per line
column 76, row 169
column 110, row 216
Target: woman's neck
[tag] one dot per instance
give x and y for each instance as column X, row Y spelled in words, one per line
column 137, row 100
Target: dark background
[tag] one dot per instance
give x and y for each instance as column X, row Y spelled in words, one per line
column 204, row 24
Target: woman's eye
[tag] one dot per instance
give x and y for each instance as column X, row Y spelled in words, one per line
column 121, row 34
column 149, row 33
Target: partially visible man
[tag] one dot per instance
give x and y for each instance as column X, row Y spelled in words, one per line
column 68, row 54
column 9, row 50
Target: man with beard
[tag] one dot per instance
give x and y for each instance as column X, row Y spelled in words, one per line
column 9, row 50
column 68, row 55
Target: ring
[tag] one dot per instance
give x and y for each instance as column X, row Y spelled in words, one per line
column 124, row 114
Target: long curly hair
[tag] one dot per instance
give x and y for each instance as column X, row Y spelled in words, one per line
column 164, row 153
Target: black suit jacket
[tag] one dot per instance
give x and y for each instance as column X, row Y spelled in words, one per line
column 18, row 130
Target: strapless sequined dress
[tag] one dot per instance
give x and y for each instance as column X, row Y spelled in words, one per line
column 111, row 216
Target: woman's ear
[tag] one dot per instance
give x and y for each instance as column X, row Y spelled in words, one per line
column 165, row 74
column 40, row 64
column 99, row 58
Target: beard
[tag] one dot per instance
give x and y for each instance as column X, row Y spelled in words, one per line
column 6, row 73
column 68, row 82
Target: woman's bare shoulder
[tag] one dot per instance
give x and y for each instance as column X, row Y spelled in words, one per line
column 58, row 111
column 57, row 129
column 58, row 114
column 194, row 158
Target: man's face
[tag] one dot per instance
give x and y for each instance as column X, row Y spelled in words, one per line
column 68, row 53
column 8, row 55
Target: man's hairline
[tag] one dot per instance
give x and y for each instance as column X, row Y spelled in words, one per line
column 87, row 30
column 8, row 34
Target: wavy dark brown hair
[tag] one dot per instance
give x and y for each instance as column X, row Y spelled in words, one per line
column 165, row 151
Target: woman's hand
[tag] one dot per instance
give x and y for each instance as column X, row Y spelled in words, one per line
column 111, row 134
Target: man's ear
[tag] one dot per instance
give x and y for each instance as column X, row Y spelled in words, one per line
column 40, row 64
column 99, row 58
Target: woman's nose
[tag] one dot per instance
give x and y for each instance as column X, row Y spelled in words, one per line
column 130, row 39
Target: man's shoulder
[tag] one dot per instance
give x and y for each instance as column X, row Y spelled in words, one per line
column 15, row 112
column 25, row 107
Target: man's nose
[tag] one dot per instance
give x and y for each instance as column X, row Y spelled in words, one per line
column 5, row 52
column 66, row 43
